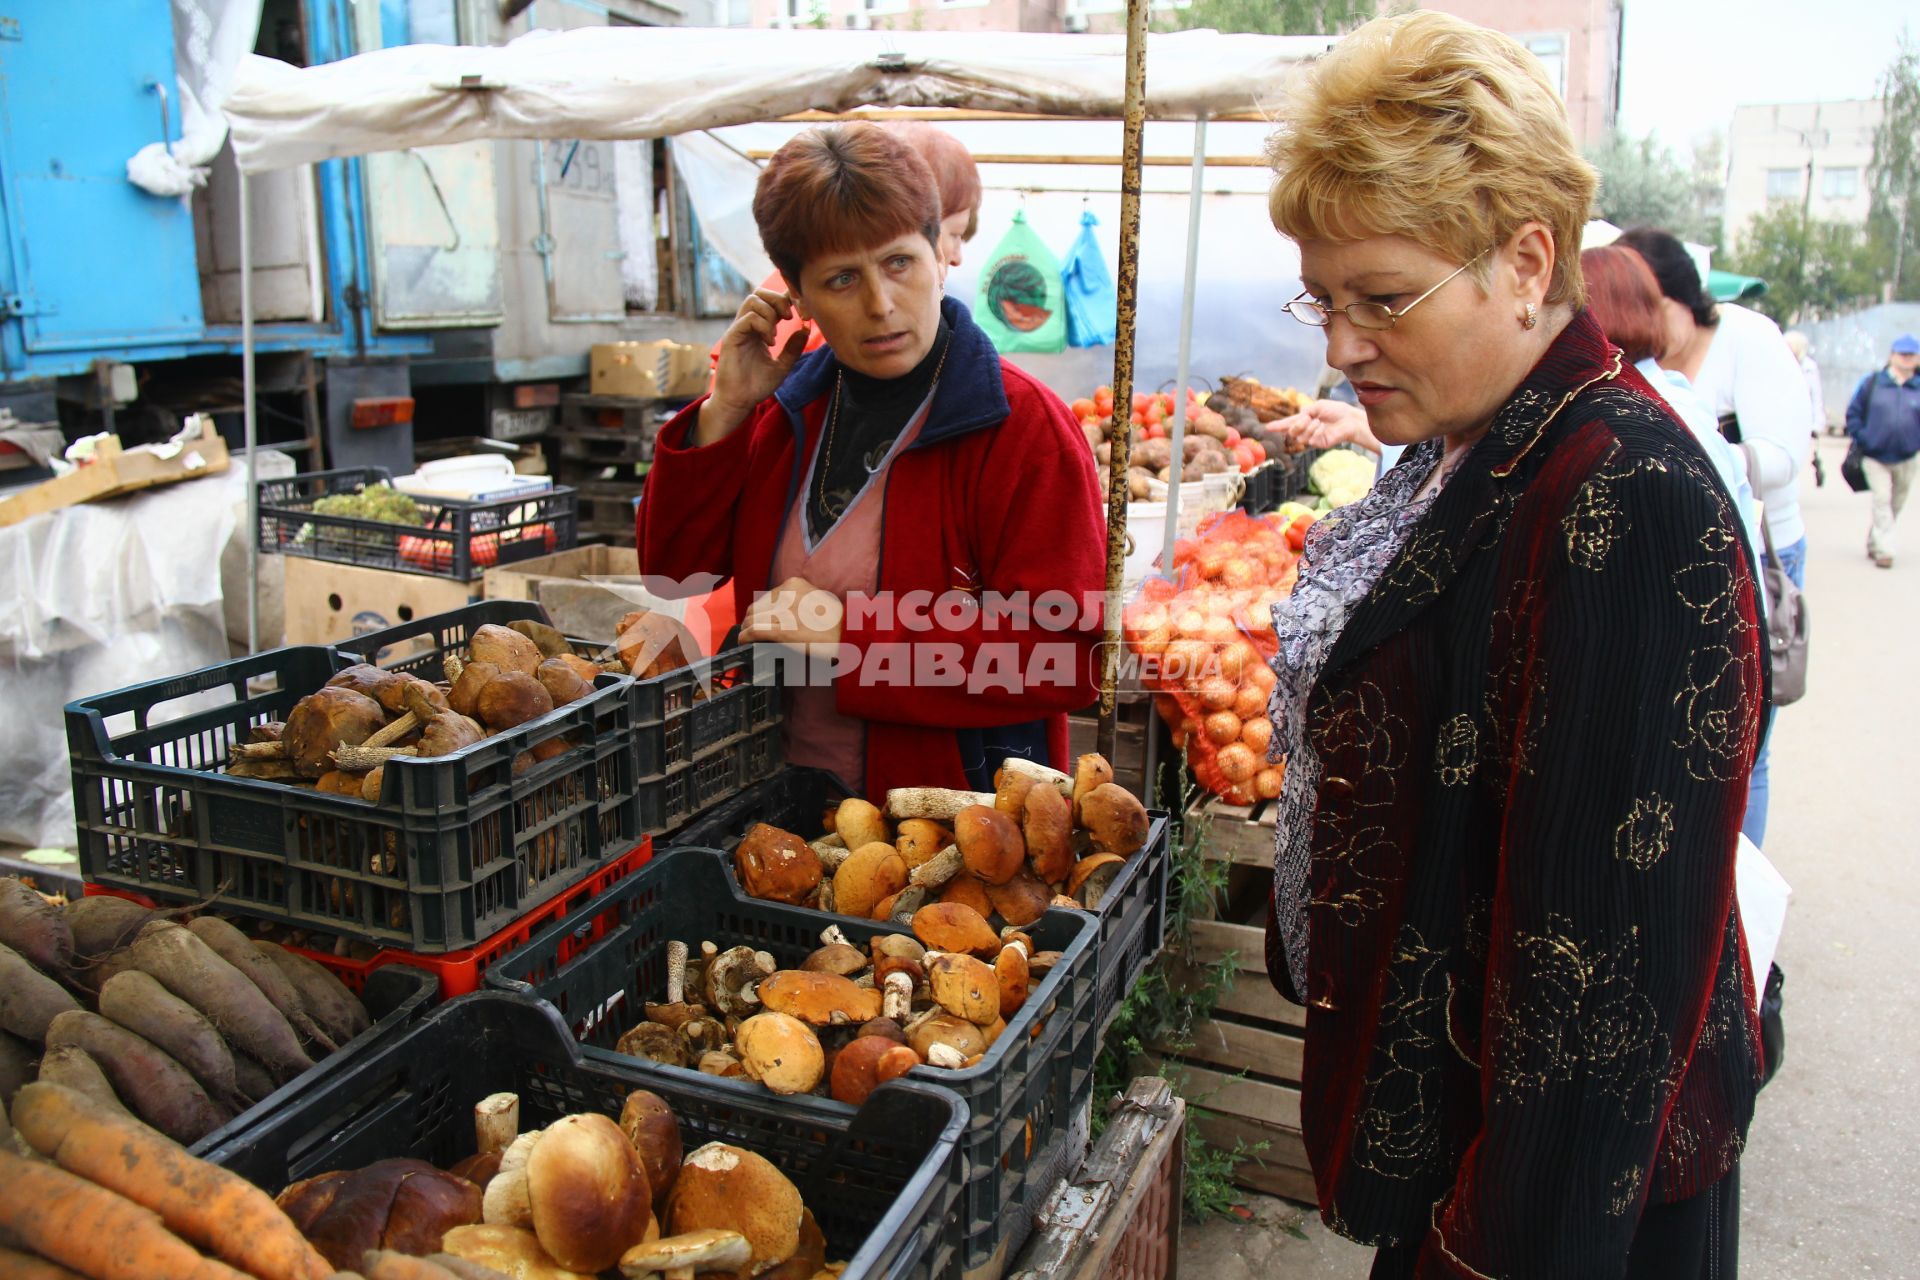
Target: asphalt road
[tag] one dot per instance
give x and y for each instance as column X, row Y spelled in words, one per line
column 1831, row 1181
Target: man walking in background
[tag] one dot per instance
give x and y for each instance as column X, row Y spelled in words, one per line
column 1884, row 418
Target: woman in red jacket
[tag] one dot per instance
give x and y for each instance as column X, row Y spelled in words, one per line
column 918, row 517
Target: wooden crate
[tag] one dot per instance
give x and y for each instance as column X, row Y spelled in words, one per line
column 606, row 510
column 631, row 414
column 1242, row 1072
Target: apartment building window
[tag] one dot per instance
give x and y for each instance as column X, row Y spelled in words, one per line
column 1110, row 6
column 1552, row 52
column 1783, row 184
column 1840, row 184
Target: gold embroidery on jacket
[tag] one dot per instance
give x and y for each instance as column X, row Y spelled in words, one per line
column 1626, row 1191
column 1642, row 838
column 1399, row 1128
column 1457, row 753
column 1718, row 712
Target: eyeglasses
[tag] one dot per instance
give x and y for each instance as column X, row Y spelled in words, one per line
column 1366, row 315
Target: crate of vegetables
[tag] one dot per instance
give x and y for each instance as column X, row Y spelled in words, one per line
column 523, row 1153
column 355, row 516
column 189, row 1025
column 694, row 976
column 301, row 787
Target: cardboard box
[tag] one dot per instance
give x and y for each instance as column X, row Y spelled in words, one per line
column 115, row 472
column 649, row 370
column 328, row 603
column 522, row 579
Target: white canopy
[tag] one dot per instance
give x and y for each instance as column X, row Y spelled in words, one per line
column 650, row 82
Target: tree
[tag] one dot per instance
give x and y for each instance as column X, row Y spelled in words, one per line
column 1641, row 184
column 1812, row 268
column 1894, row 214
column 1274, row 17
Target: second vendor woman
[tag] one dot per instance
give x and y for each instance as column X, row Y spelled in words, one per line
column 902, row 498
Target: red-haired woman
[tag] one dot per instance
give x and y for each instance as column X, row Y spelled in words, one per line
column 902, row 502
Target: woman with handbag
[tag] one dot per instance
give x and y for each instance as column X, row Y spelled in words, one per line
column 1520, row 688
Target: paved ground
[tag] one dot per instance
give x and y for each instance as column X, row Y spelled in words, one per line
column 1831, row 1183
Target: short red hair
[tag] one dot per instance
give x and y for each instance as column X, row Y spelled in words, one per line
column 842, row 189
column 953, row 169
column 1624, row 297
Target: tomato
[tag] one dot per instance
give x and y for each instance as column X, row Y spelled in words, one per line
column 1083, row 408
column 1233, row 437
column 1141, row 400
column 435, row 555
column 1156, row 431
column 1103, row 401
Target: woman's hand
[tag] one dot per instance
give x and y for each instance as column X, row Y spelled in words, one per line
column 1326, row 424
column 796, row 614
column 748, row 371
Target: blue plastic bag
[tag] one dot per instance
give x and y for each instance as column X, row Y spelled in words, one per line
column 1091, row 302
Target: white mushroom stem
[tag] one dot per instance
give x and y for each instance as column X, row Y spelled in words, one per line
column 750, row 994
column 496, row 1122
column 940, row 868
column 393, row 731
column 945, row 1056
column 936, row 803
column 452, row 668
column 831, row 936
column 896, row 1000
column 362, row 759
column 1039, row 773
column 676, row 972
column 1016, row 944
column 831, row 855
column 765, row 961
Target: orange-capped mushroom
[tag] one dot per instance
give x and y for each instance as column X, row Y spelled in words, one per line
column 777, row 865
column 1048, row 829
column 990, row 843
column 949, row 926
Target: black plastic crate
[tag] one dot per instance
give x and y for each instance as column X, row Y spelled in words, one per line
column 1133, row 915
column 396, row 997
column 880, row 1183
column 1024, row 1088
column 458, row 540
column 458, row 848
column 1266, row 487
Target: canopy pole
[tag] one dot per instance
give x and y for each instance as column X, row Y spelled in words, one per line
column 248, row 414
column 1178, row 437
column 1134, row 120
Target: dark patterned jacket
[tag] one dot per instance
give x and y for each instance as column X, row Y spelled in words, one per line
column 1530, row 1011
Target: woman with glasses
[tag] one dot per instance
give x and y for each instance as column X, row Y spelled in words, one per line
column 1520, row 688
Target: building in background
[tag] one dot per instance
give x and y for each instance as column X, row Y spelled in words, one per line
column 1812, row 155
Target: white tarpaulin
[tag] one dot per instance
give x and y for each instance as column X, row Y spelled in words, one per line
column 209, row 39
column 650, row 82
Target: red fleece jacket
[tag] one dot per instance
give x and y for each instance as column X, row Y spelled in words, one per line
column 998, row 499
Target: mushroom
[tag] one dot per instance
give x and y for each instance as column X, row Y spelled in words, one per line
column 549, row 640
column 858, row 823
column 365, row 679
column 866, row 1064
column 730, row 978
column 730, row 1189
column 513, row 1252
column 944, row 1040
column 465, row 694
column 1092, row 876
column 937, row 803
column 872, row 872
column 918, row 839
column 654, row 1042
column 968, row 890
column 818, row 999
column 337, row 782
column 885, row 1028
column 809, row 1260
column 838, row 958
column 897, row 996
column 831, row 853
column 1116, row 818
column 776, row 865
column 496, row 1122
column 1010, row 793
column 899, row 907
column 1021, row 900
column 562, row 683
column 650, row 1126
column 989, row 843
column 588, row 1191
column 703, row 1035
column 1040, row 963
column 504, row 648
column 886, row 966
column 946, row 926
column 965, row 987
column 325, row 720
column 901, row 945
column 511, row 699
column 1015, row 981
column 1044, row 775
column 781, row 1052
column 1089, row 771
column 1048, row 830
column 447, row 733
column 934, row 872
column 682, row 1257
column 504, row 1202
column 650, row 644
column 720, row 1063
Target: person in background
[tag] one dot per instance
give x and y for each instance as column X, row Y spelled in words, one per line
column 1742, row 368
column 902, row 501
column 1884, row 418
column 1520, row 687
column 1625, row 298
column 1810, row 370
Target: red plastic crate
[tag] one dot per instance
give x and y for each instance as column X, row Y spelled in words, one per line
column 460, row 972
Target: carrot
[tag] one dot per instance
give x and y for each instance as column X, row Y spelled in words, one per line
column 70, row 1221
column 207, row 1205
column 384, row 1264
column 25, row 1266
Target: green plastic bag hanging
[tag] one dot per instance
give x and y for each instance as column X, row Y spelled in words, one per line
column 1021, row 303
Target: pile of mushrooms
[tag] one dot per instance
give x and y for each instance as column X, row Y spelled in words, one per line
column 1041, row 839
column 339, row 738
column 845, row 1020
column 587, row 1195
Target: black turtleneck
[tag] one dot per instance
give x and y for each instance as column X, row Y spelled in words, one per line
column 863, row 421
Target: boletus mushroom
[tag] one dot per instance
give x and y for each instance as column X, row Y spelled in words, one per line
column 1091, row 877
column 781, row 1052
column 682, row 1257
column 1048, row 830
column 1089, row 771
column 650, row 1126
column 819, row 999
column 919, row 839
column 562, row 683
column 650, row 644
column 839, row 958
column 1021, row 900
column 967, row 890
column 548, row 639
column 776, row 865
column 727, row 1188
column 505, row 648
column 325, row 720
column 464, row 697
column 870, row 873
column 866, row 1064
column 948, row 926
column 588, row 1191
column 513, row 1252
column 965, row 987
column 858, row 823
column 945, row 1040
column 990, row 843
column 1116, row 818
column 511, row 699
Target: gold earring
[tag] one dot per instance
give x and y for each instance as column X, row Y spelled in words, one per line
column 1533, row 316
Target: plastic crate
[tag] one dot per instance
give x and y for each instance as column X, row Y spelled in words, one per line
column 1025, row 1087
column 1266, row 487
column 879, row 1183
column 458, row 848
column 456, row 539
column 1133, row 915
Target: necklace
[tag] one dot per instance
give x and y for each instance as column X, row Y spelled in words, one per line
column 824, row 464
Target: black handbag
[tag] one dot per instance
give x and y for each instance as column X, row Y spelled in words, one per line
column 1853, row 469
column 1773, row 1033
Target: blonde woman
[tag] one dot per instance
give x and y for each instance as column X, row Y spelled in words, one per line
column 1521, row 685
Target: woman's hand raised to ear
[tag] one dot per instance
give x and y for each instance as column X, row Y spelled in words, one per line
column 749, row 371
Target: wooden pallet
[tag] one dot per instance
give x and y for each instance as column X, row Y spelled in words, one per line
column 1242, row 1071
column 580, row 412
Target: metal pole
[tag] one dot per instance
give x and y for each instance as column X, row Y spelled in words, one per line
column 1127, row 289
column 252, row 423
column 1179, row 437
